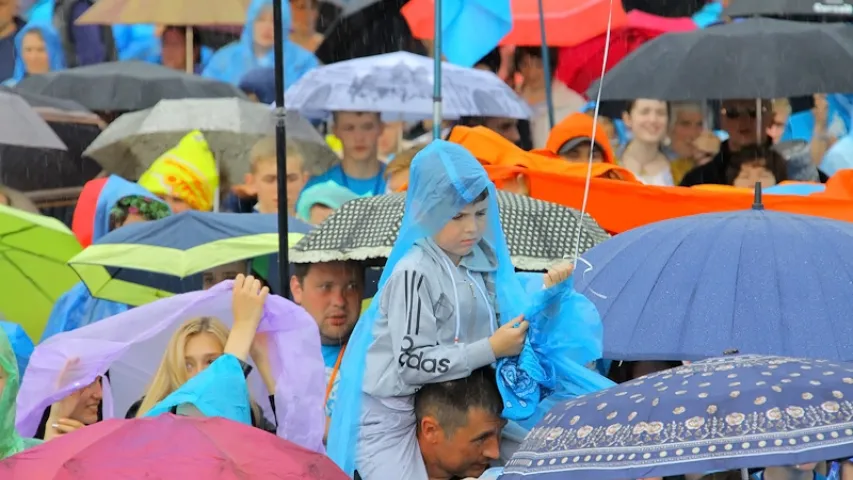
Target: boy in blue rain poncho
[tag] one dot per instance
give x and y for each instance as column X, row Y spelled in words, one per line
column 447, row 285
column 255, row 48
column 38, row 50
column 120, row 203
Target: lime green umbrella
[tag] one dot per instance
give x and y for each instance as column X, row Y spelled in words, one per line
column 34, row 251
column 172, row 249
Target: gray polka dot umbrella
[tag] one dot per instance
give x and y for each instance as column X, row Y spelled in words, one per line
column 538, row 233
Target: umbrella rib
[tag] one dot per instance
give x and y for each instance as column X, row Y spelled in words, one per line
column 31, row 279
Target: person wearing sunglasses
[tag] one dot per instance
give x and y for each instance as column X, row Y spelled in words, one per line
column 740, row 119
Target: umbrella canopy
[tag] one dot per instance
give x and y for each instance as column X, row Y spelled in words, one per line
column 231, row 127
column 538, row 233
column 21, row 343
column 20, row 125
column 752, row 281
column 365, row 28
column 719, row 414
column 841, row 10
column 747, row 53
column 170, row 447
column 165, row 12
column 180, row 245
column 131, row 85
column 34, row 250
column 588, row 19
column 42, row 101
column 400, row 87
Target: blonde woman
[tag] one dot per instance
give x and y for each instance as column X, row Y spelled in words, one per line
column 200, row 341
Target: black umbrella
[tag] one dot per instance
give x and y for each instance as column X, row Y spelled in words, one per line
column 124, row 86
column 42, row 101
column 752, row 58
column 366, row 28
column 832, row 10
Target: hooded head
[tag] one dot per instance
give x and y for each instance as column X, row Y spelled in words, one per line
column 258, row 30
column 574, row 133
column 185, row 176
column 116, row 189
column 328, row 194
column 259, row 82
column 10, row 442
column 38, row 49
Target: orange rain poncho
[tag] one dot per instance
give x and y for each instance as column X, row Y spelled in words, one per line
column 620, row 205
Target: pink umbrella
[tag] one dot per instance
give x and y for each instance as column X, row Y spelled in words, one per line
column 131, row 344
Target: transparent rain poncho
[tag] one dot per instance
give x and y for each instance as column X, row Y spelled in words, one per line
column 444, row 178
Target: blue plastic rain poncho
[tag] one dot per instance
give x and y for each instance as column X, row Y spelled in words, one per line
column 77, row 307
column 444, row 179
column 219, row 391
column 52, row 43
column 233, row 61
column 21, row 343
column 839, row 116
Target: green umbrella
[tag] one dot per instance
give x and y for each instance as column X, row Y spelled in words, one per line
column 34, row 250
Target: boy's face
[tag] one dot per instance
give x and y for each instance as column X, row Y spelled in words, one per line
column 264, row 182
column 359, row 134
column 464, row 230
column 176, row 204
column 229, row 271
column 319, row 213
column 581, row 154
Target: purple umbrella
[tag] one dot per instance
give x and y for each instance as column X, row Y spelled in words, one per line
column 131, row 344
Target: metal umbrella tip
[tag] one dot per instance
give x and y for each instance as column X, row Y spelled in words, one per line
column 757, row 204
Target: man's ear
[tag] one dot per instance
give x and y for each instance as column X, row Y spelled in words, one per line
column 430, row 429
column 296, row 290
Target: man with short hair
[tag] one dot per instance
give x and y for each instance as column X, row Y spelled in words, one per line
column 360, row 169
column 331, row 293
column 459, row 425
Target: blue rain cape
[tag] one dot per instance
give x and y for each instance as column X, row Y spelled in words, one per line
column 839, row 119
column 219, row 391
column 444, row 178
column 77, row 307
column 53, row 46
column 21, row 344
column 565, row 335
column 233, row 61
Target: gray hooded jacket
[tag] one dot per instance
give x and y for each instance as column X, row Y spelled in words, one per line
column 432, row 327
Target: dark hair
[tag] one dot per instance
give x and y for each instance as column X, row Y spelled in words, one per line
column 482, row 196
column 629, row 105
column 536, row 52
column 182, row 30
column 492, row 60
column 766, row 157
column 449, row 402
column 301, row 270
column 377, row 114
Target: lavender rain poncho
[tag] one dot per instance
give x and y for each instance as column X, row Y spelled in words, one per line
column 131, row 344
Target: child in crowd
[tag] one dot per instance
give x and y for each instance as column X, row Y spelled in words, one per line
column 397, row 171
column 756, row 164
column 438, row 315
column 263, row 178
column 318, row 202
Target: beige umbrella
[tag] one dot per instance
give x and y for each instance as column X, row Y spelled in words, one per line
column 197, row 13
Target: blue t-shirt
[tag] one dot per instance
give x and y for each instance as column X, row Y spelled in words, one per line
column 330, row 357
column 360, row 186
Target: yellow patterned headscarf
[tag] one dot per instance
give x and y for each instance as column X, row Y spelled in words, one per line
column 187, row 172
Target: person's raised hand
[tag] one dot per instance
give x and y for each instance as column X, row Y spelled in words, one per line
column 508, row 340
column 61, row 427
column 820, row 110
column 248, row 299
column 557, row 274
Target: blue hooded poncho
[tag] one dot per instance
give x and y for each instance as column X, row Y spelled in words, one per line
column 77, row 307
column 233, row 61
column 52, row 43
column 444, row 178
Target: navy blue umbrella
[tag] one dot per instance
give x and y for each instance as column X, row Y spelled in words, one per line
column 720, row 414
column 753, row 281
column 140, row 262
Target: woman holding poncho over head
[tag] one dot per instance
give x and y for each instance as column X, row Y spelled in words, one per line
column 10, row 442
column 448, row 304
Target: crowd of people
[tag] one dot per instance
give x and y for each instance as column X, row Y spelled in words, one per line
column 409, row 387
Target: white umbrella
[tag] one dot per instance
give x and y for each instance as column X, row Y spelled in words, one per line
column 400, row 86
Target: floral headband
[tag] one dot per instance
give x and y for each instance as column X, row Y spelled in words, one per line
column 137, row 204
